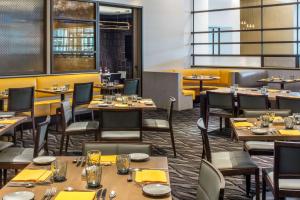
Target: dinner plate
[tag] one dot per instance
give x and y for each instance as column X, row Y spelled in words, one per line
column 103, row 105
column 139, row 156
column 44, row 160
column 2, row 125
column 240, row 119
column 156, row 190
column 20, row 195
column 6, row 116
column 260, row 131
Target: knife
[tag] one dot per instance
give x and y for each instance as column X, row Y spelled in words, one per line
column 83, row 162
column 79, row 162
column 98, row 195
column 103, row 195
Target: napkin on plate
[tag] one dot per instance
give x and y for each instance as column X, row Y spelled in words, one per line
column 64, row 195
column 34, row 175
column 290, row 132
column 121, row 105
column 96, row 102
column 108, row 159
column 151, row 176
column 243, row 124
column 8, row 121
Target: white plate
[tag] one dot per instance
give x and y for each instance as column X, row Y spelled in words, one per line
column 2, row 125
column 103, row 105
column 139, row 156
column 240, row 119
column 44, row 160
column 260, row 131
column 6, row 116
column 156, row 190
column 21, row 195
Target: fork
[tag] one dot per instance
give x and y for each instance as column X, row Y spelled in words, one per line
column 49, row 193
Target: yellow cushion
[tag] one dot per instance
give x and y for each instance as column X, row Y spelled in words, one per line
column 189, row 93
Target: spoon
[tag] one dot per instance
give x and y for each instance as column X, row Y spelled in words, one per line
column 26, row 185
column 112, row 195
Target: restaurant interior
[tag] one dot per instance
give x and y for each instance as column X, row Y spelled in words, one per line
column 149, row 99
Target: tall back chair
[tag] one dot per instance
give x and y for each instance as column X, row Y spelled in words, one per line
column 291, row 103
column 160, row 125
column 82, row 95
column 284, row 179
column 131, row 86
column 252, row 101
column 220, row 105
column 230, row 163
column 115, row 77
column 211, row 183
column 121, row 124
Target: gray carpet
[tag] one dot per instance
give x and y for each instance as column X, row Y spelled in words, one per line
column 183, row 169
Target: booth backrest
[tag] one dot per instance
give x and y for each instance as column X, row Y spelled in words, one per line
column 6, row 83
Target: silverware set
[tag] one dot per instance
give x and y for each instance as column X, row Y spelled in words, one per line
column 80, row 161
column 101, row 194
column 49, row 193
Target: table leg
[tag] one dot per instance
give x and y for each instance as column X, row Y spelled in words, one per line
column 62, row 97
column 201, row 85
column 1, row 104
column 282, row 86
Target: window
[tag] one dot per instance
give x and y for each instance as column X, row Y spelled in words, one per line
column 243, row 33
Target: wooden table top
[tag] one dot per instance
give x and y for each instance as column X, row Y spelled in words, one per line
column 245, row 134
column 106, row 87
column 272, row 93
column 7, row 127
column 201, row 78
column 278, row 80
column 110, row 180
column 51, row 91
column 119, row 106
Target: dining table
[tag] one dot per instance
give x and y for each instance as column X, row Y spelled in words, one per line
column 111, row 180
column 56, row 91
column 242, row 129
column 109, row 89
column 281, row 81
column 201, row 78
column 11, row 122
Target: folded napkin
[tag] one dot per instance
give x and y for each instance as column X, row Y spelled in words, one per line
column 121, row 105
column 109, row 159
column 151, row 176
column 96, row 102
column 290, row 132
column 63, row 195
column 273, row 90
column 33, row 175
column 243, row 124
column 8, row 121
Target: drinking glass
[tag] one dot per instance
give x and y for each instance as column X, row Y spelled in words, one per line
column 67, row 87
column 125, row 100
column 264, row 89
column 265, row 120
column 297, row 118
column 123, row 163
column 93, row 157
column 134, row 98
column 116, row 82
column 59, row 170
column 93, row 176
column 289, row 122
column 108, row 99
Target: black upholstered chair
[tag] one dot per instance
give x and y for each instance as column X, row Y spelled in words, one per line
column 115, row 77
column 231, row 163
column 262, row 147
column 21, row 101
column 19, row 157
column 211, row 183
column 131, row 86
column 160, row 125
column 109, row 148
column 284, row 179
column 70, row 128
column 251, row 101
column 220, row 105
column 291, row 103
column 82, row 96
column 121, row 125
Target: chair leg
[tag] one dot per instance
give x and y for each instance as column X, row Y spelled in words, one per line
column 96, row 136
column 22, row 131
column 14, row 137
column 257, row 189
column 221, row 120
column 61, row 144
column 67, row 144
column 4, row 176
column 248, row 183
column 1, row 178
column 93, row 117
column 264, row 187
column 173, row 142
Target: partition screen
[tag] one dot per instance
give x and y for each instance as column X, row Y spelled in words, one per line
column 243, row 33
column 22, row 46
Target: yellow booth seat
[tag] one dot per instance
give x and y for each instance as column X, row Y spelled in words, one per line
column 189, row 93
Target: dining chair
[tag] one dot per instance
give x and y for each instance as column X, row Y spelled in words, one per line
column 230, row 163
column 82, row 96
column 211, row 183
column 117, row 148
column 284, row 178
column 121, row 125
column 70, row 128
column 115, row 77
column 291, row 103
column 251, row 101
column 131, row 86
column 21, row 102
column 19, row 157
column 161, row 125
column 221, row 105
column 263, row 148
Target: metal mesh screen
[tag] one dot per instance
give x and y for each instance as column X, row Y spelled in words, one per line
column 22, row 37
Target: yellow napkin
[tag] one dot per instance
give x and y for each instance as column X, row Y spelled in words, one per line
column 8, row 121
column 121, row 105
column 109, row 159
column 151, row 176
column 96, row 102
column 243, row 124
column 34, row 175
column 75, row 195
column 273, row 90
column 289, row 132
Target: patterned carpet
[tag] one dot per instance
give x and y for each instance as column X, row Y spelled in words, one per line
column 184, row 168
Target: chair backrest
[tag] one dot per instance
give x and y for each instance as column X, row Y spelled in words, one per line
column 83, row 94
column 220, row 100
column 211, row 183
column 21, row 100
column 66, row 114
column 131, row 86
column 117, row 148
column 206, row 153
column 286, row 161
column 172, row 100
column 41, row 136
column 115, row 77
column 288, row 103
column 252, row 113
column 252, row 101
